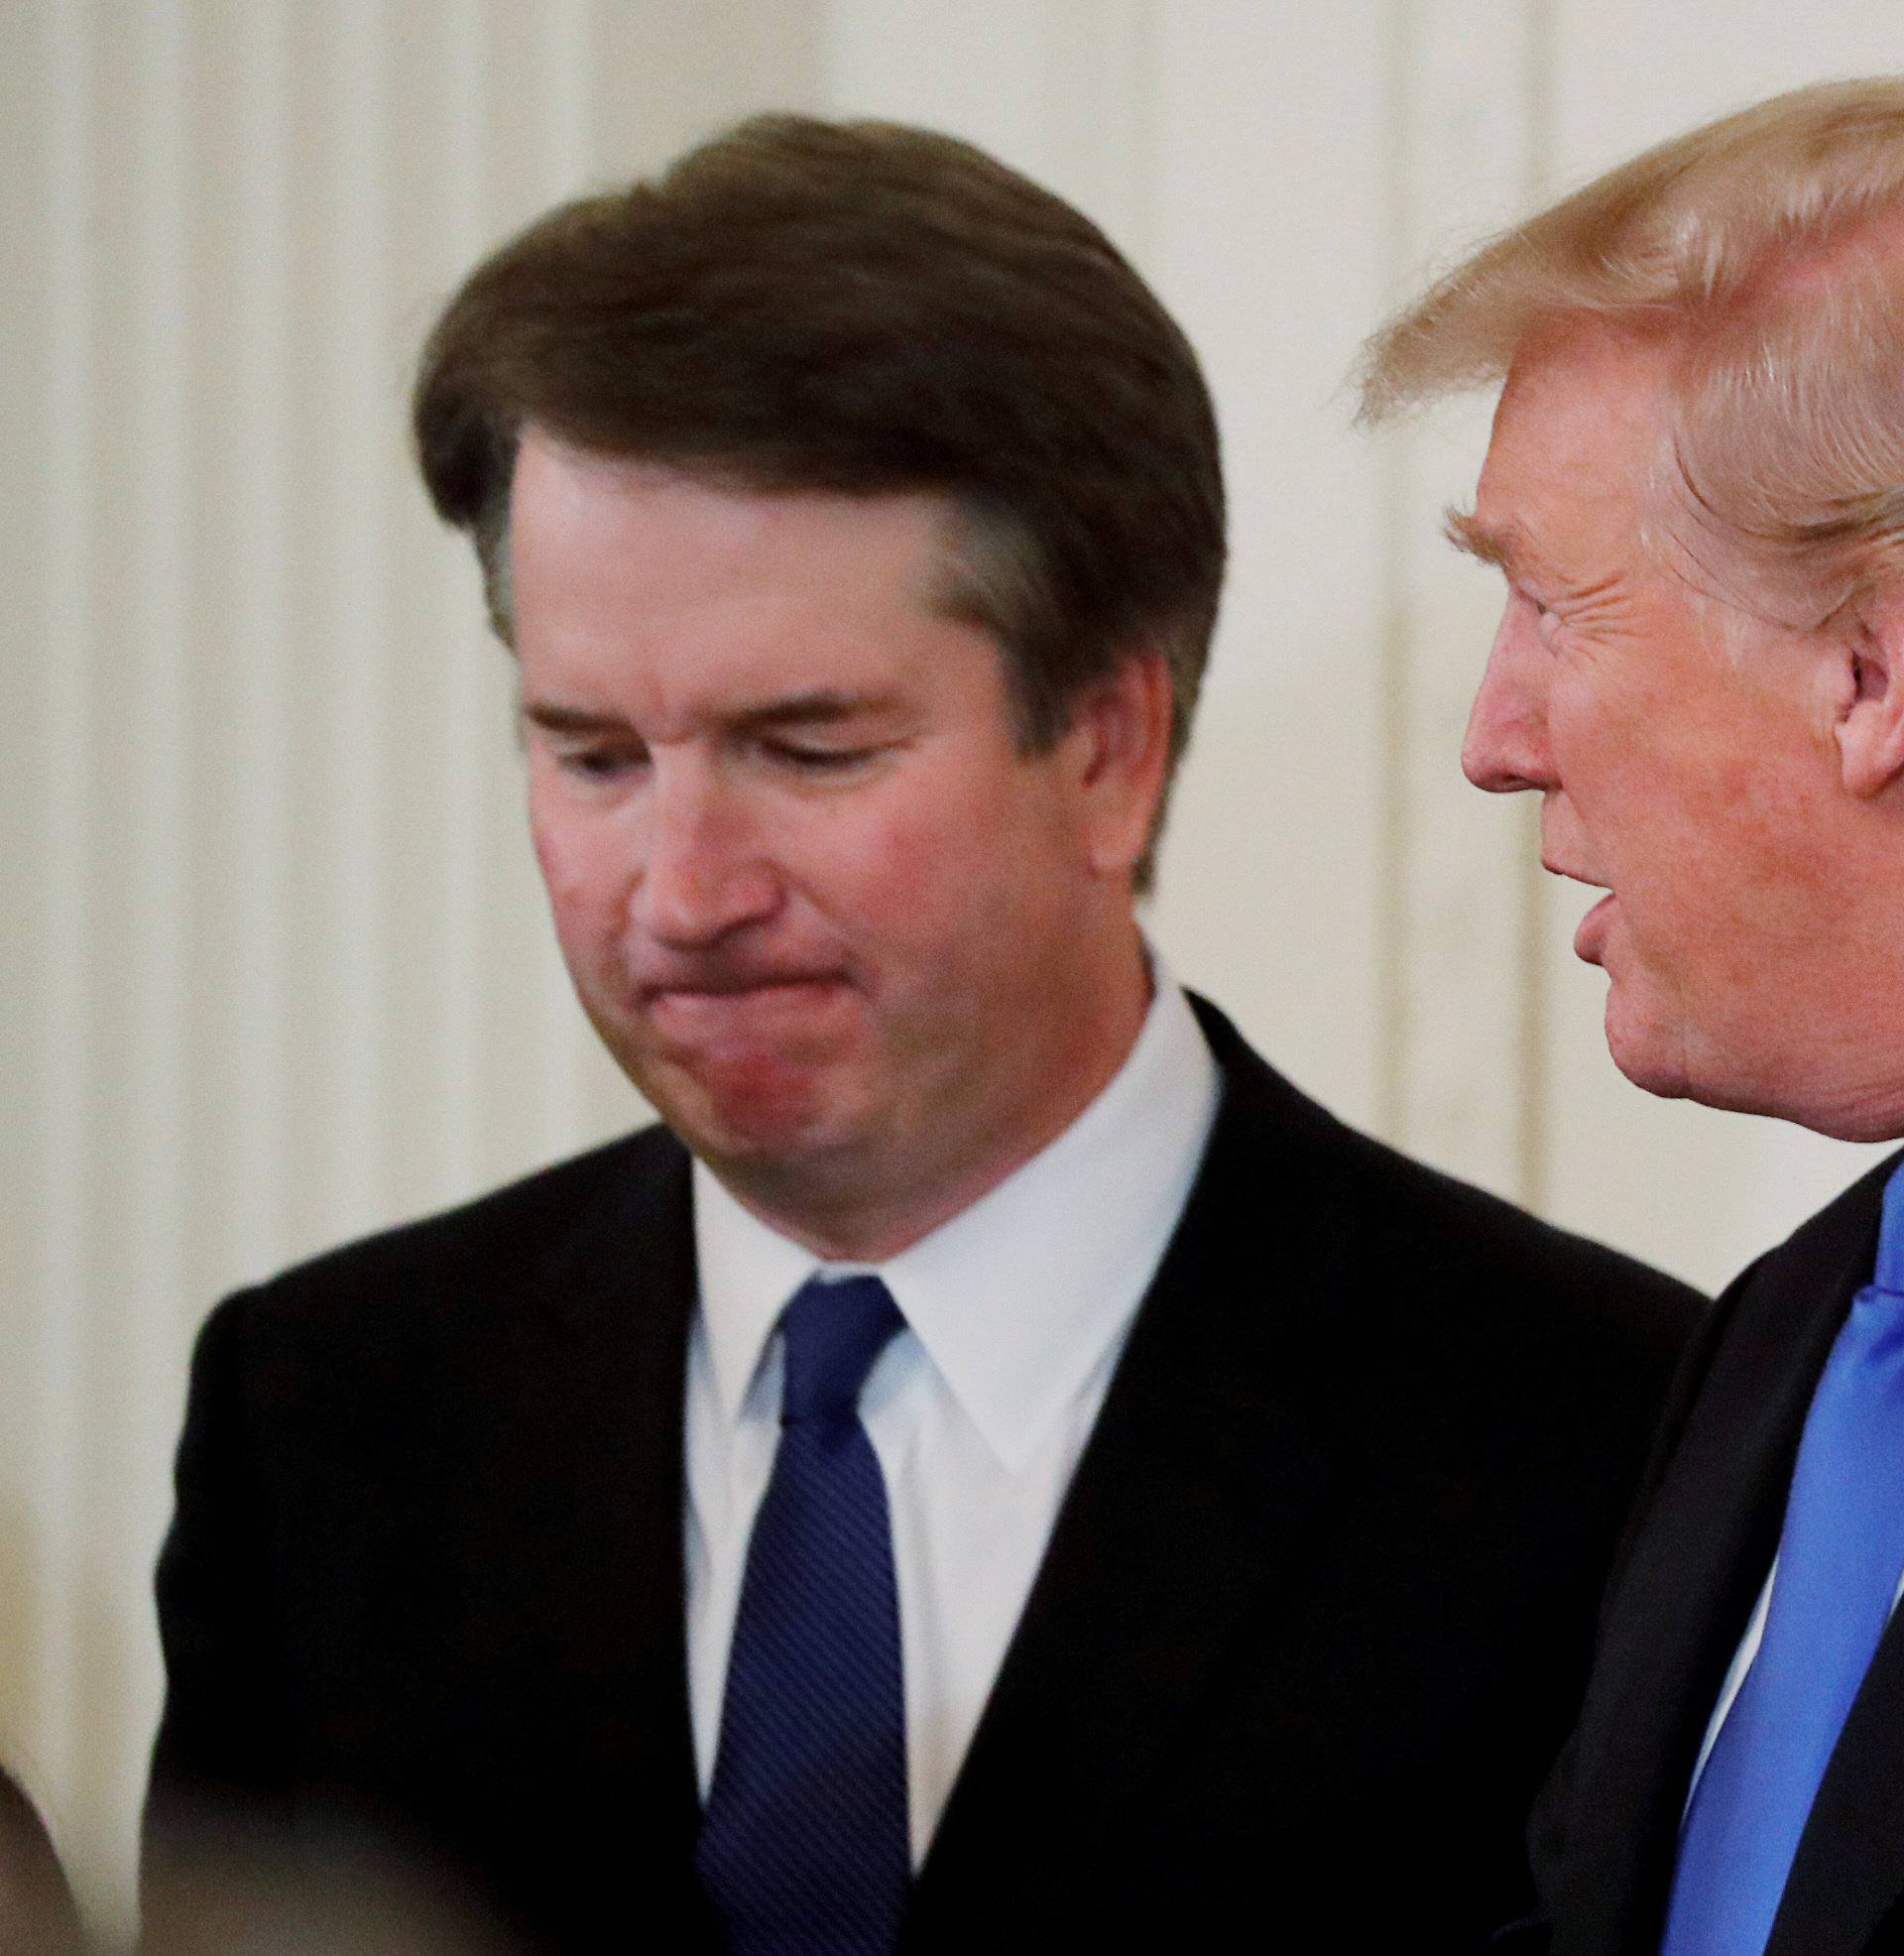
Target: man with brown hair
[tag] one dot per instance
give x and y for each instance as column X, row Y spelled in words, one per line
column 1695, row 491
column 998, row 1469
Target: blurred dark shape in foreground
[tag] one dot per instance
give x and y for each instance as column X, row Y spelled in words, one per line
column 37, row 1915
column 214, row 1887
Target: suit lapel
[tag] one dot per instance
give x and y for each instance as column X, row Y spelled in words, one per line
column 1187, row 1498
column 1849, row 1872
column 574, row 1567
column 1682, row 1602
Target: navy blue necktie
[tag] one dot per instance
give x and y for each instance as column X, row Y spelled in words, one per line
column 806, row 1847
column 1839, row 1558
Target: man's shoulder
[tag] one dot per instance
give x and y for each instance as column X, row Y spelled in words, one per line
column 626, row 1198
column 1844, row 1233
column 1372, row 1215
column 1785, row 1305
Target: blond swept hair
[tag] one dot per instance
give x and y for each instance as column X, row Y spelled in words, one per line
column 1768, row 248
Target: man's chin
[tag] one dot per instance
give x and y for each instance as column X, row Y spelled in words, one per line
column 1650, row 1056
column 739, row 1098
column 758, row 1119
column 1672, row 1065
column 753, row 1131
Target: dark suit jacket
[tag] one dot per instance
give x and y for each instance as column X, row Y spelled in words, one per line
column 1310, row 1626
column 1607, row 1825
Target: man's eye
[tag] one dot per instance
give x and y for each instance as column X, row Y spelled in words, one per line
column 817, row 760
column 598, row 762
column 1546, row 619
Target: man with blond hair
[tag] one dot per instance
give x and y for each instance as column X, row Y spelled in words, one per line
column 1695, row 491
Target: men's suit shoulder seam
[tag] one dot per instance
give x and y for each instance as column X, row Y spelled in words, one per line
column 472, row 1229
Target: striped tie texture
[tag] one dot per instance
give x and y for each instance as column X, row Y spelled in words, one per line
column 804, row 1849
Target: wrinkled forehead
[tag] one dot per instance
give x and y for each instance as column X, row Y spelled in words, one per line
column 1583, row 429
column 1589, row 449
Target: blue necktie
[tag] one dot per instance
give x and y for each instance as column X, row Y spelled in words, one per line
column 1840, row 1556
column 805, row 1850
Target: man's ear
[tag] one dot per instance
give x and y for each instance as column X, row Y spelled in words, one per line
column 1121, row 727
column 1871, row 717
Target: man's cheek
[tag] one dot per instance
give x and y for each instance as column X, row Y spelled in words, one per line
column 555, row 854
column 581, row 877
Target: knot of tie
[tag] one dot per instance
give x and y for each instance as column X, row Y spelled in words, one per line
column 830, row 1335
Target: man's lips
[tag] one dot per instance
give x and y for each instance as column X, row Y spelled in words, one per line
column 758, row 1006
column 1573, row 874
column 1590, row 933
column 730, row 985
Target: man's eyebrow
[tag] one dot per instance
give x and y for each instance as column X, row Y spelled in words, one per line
column 812, row 709
column 805, row 709
column 554, row 718
column 1499, row 545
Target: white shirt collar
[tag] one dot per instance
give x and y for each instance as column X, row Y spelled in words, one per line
column 1020, row 1299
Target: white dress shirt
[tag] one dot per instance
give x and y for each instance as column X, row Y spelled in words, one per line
column 1743, row 1661
column 1734, row 1677
column 1015, row 1313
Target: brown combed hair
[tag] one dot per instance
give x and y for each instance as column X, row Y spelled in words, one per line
column 801, row 305
column 1770, row 246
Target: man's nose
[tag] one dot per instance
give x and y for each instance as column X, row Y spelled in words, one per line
column 1505, row 747
column 705, row 870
